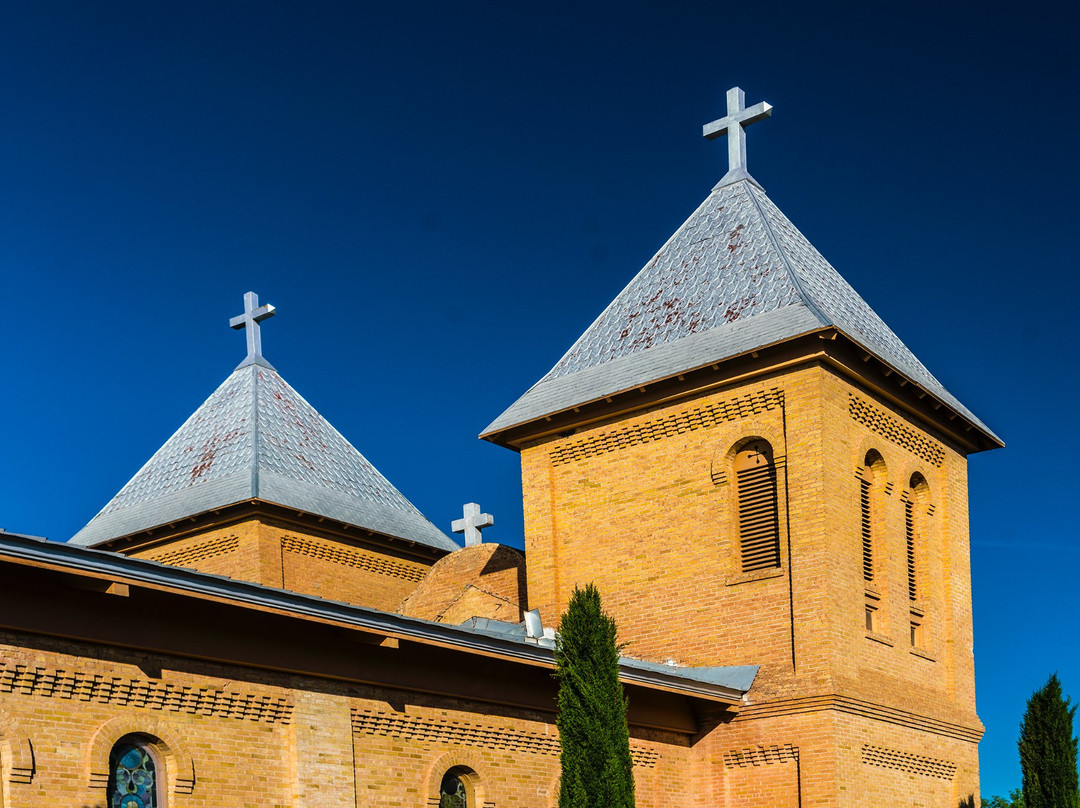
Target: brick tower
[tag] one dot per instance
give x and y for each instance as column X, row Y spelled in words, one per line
column 755, row 470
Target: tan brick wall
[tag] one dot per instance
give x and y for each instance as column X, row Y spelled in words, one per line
column 256, row 739
column 233, row 551
column 285, row 558
column 337, row 571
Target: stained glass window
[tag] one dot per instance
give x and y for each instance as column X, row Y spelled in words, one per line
column 132, row 777
column 452, row 792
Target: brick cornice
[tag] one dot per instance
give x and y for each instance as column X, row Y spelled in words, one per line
column 864, row 709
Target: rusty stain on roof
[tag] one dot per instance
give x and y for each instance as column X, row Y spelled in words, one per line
column 734, row 261
column 293, row 457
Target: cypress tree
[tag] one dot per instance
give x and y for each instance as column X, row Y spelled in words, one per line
column 596, row 768
column 1048, row 749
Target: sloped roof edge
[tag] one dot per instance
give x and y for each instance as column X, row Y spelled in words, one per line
column 727, row 684
column 552, row 395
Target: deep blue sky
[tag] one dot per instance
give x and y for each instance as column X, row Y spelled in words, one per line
column 440, row 197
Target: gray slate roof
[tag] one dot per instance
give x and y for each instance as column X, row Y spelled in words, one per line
column 737, row 276
column 257, row 438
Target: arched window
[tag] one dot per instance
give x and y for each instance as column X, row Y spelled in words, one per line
column 759, row 522
column 133, row 775
column 872, row 476
column 871, row 480
column 917, row 493
column 916, row 498
column 452, row 792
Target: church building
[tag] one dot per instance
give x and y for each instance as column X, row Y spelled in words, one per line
column 767, row 487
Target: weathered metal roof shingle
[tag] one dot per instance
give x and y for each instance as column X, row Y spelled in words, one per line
column 737, row 276
column 255, row 437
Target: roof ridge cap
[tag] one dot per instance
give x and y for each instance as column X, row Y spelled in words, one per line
column 810, row 303
column 254, row 429
column 736, row 175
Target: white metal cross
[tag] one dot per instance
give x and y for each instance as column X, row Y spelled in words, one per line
column 250, row 319
column 472, row 523
column 738, row 117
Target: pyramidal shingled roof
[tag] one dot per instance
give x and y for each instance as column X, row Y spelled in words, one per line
column 736, row 277
column 255, row 437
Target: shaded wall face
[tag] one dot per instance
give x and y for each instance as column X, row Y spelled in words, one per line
column 485, row 580
column 919, row 569
column 286, row 558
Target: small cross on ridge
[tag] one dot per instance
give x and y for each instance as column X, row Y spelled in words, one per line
column 250, row 319
column 472, row 523
column 733, row 125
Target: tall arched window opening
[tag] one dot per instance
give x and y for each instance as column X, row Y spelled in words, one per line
column 133, row 775
column 909, row 535
column 759, row 521
column 872, row 476
column 916, row 499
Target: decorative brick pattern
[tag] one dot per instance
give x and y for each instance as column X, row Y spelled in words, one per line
column 888, row 427
column 761, row 755
column 190, row 555
column 125, row 692
column 907, row 762
column 430, row 730
column 694, row 418
column 351, row 558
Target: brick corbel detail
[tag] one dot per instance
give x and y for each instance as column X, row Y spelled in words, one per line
column 179, row 767
column 16, row 753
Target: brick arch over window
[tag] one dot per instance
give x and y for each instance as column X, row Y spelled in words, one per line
column 16, row 753
column 179, row 774
column 466, row 765
column 757, row 505
column 872, row 478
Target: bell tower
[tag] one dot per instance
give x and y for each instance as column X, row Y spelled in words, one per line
column 755, row 470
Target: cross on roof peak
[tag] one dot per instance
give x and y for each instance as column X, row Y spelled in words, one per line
column 733, row 125
column 472, row 523
column 249, row 320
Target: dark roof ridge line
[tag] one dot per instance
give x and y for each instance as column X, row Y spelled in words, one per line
column 808, row 301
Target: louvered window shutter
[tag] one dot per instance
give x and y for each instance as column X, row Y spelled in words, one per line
column 759, row 524
column 867, row 531
column 909, row 531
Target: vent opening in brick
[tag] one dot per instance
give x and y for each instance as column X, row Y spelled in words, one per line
column 759, row 522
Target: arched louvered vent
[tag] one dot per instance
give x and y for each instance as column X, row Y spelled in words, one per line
column 917, row 494
column 871, row 477
column 867, row 531
column 909, row 533
column 759, row 522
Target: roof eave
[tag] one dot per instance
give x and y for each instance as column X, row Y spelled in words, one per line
column 95, row 563
column 972, row 436
column 248, row 509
